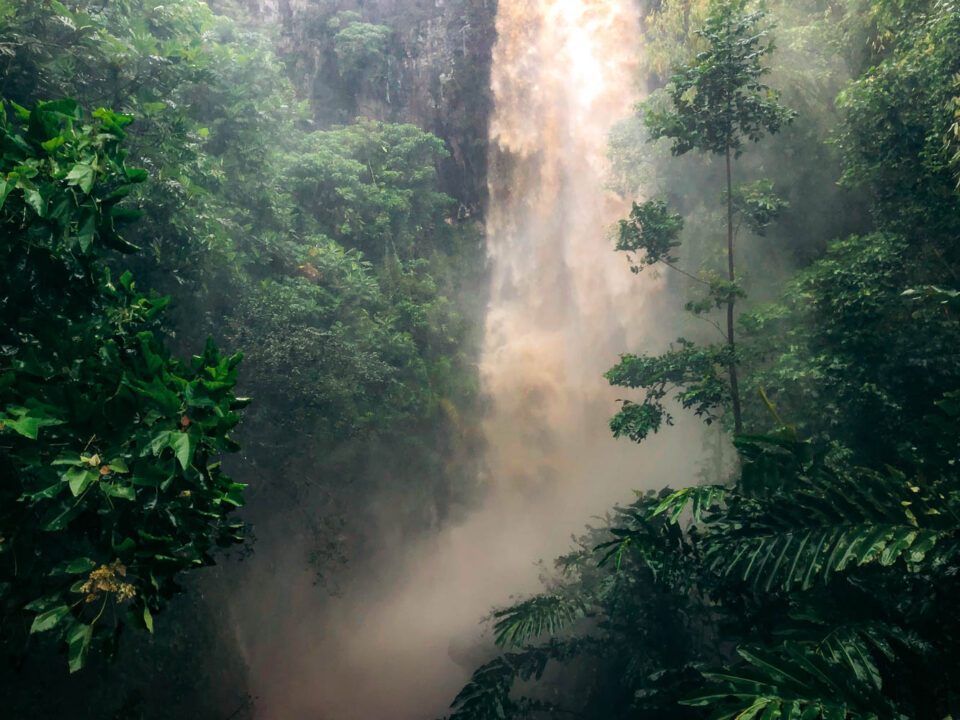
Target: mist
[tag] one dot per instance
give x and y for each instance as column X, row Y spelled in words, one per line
column 405, row 632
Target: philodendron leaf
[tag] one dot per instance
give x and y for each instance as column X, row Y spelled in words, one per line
column 79, row 479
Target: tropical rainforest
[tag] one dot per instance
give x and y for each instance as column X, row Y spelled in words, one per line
column 243, row 273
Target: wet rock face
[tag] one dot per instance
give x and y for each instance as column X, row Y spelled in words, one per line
column 425, row 62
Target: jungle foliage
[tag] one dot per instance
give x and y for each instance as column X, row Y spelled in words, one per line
column 327, row 254
column 111, row 480
column 819, row 580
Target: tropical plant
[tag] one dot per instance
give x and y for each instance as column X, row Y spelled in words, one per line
column 794, row 591
column 858, row 334
column 109, row 448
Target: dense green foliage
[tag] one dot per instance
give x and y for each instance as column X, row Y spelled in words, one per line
column 869, row 341
column 338, row 234
column 109, row 477
column 425, row 63
column 819, row 581
column 327, row 253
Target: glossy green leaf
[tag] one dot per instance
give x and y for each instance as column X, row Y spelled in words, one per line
column 78, row 643
column 48, row 619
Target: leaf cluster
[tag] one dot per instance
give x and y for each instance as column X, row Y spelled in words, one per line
column 791, row 592
column 720, row 99
column 109, row 447
column 690, row 373
column 652, row 229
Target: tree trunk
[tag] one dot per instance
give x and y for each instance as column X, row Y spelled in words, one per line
column 734, row 387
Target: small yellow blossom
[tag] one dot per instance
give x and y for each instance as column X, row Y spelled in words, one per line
column 107, row 579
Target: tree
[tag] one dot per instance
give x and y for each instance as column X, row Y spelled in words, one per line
column 717, row 102
column 868, row 334
column 110, row 480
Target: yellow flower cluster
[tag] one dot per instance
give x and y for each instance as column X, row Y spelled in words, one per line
column 107, row 579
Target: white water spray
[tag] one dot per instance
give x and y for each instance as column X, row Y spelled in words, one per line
column 563, row 305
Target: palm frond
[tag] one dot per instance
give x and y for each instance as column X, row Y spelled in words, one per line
column 531, row 618
column 794, row 682
column 702, row 497
column 828, row 522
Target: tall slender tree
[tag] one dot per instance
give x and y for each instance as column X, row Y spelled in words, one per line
column 718, row 102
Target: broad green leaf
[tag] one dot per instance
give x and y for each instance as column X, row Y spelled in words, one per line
column 64, row 106
column 118, row 465
column 45, row 493
column 234, row 494
column 183, row 444
column 48, row 619
column 82, row 175
column 86, row 231
column 78, row 642
column 53, row 143
column 119, row 491
column 125, row 547
column 28, row 421
column 26, row 426
column 160, row 442
column 44, row 603
column 79, row 479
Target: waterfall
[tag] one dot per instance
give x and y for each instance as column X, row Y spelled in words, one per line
column 562, row 306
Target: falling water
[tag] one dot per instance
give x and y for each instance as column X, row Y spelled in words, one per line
column 563, row 305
